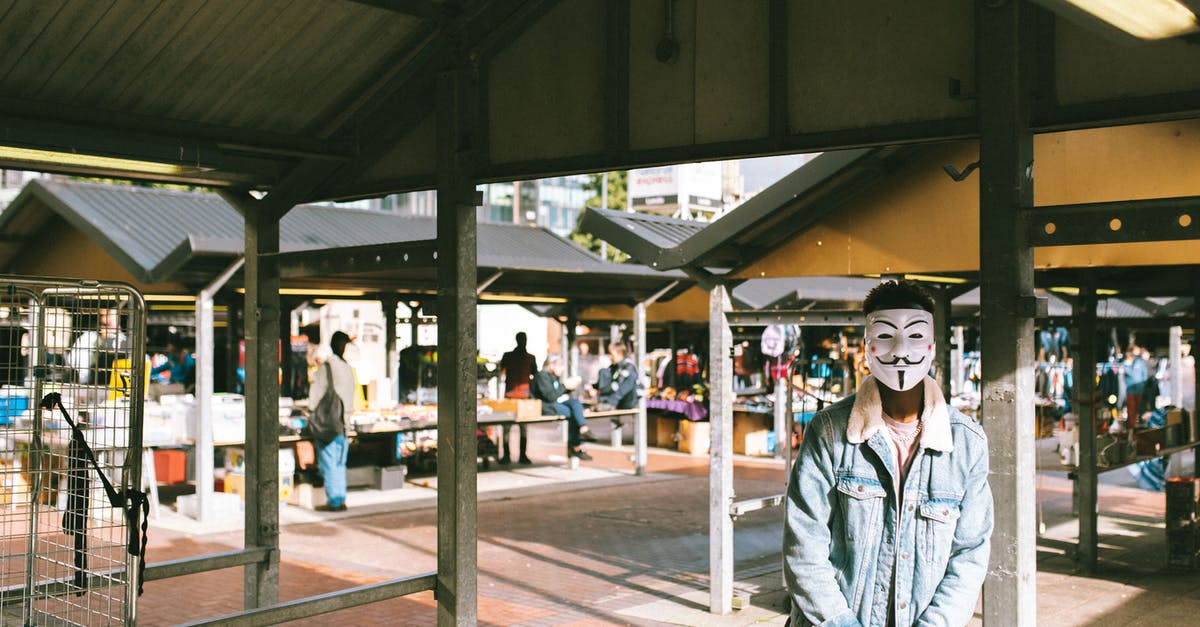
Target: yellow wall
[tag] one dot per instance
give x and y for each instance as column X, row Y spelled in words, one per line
column 919, row 220
column 62, row 251
column 690, row 306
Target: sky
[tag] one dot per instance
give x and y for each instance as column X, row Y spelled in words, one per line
column 760, row 173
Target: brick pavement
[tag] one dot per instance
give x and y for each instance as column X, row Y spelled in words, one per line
column 601, row 556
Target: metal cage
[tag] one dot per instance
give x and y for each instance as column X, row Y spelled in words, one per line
column 66, row 544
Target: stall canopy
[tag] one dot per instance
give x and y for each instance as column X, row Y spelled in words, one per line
column 850, row 214
column 175, row 241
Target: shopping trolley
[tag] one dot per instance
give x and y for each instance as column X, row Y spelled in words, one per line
column 72, row 516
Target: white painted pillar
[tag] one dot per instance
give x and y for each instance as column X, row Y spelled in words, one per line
column 720, row 478
column 205, row 350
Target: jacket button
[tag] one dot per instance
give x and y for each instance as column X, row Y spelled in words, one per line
column 860, row 488
column 904, row 555
column 910, row 507
column 903, row 605
column 945, row 512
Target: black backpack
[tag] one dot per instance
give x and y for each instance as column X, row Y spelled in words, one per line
column 325, row 420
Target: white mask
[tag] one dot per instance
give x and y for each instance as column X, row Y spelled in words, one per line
column 899, row 346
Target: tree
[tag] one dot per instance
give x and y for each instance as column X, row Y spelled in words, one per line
column 617, row 195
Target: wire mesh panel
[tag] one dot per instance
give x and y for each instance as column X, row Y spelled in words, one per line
column 72, row 378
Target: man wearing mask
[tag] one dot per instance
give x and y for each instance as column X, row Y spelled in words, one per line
column 889, row 513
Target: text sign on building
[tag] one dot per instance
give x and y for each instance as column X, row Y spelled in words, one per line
column 677, row 189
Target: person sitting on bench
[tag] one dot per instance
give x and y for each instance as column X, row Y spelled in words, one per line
column 617, row 387
column 556, row 401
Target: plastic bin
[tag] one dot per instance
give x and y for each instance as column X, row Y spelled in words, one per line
column 11, row 407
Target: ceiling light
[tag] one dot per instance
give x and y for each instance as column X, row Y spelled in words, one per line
column 1144, row 19
column 515, row 298
column 929, row 278
column 301, row 291
column 52, row 157
column 168, row 298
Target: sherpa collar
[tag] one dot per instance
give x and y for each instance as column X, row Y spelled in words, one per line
column 866, row 417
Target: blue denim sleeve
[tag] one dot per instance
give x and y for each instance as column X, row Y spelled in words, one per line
column 811, row 578
column 954, row 599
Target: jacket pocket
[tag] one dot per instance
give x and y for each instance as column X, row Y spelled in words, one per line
column 939, row 521
column 862, row 501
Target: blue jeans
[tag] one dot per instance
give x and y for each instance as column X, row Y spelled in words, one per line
column 572, row 409
column 331, row 458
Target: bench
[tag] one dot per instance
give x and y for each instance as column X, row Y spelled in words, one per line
column 615, row 415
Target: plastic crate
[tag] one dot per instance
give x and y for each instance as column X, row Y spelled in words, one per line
column 11, row 407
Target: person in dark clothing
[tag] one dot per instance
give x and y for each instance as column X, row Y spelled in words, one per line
column 556, row 401
column 518, row 368
column 618, row 386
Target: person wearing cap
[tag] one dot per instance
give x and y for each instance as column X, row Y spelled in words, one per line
column 331, row 456
column 888, row 510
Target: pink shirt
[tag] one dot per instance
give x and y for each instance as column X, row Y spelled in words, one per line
column 905, row 437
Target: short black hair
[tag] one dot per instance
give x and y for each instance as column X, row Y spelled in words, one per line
column 901, row 294
column 338, row 343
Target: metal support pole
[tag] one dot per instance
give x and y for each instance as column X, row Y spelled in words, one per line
column 720, row 477
column 1003, row 75
column 1086, row 487
column 457, row 587
column 262, row 404
column 572, row 347
column 782, row 399
column 564, row 342
column 639, row 428
column 389, row 302
column 205, row 349
column 941, row 339
column 1176, row 366
column 956, row 362
column 1194, row 410
column 235, row 320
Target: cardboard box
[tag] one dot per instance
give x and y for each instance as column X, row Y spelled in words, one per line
column 236, row 484
column 521, row 408
column 694, row 437
column 745, row 423
column 235, row 461
column 666, row 431
column 761, row 442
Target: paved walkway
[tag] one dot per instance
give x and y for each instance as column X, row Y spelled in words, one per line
column 599, row 546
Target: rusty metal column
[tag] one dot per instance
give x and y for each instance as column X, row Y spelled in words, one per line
column 1003, row 75
column 262, row 405
column 720, row 475
column 457, row 556
column 1086, row 486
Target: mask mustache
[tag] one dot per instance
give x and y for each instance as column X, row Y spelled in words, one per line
column 901, row 361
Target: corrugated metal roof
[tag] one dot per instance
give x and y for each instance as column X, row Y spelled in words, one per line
column 154, row 232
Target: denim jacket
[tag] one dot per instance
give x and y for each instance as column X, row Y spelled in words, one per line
column 844, row 532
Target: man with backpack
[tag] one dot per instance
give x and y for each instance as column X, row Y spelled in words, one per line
column 335, row 377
